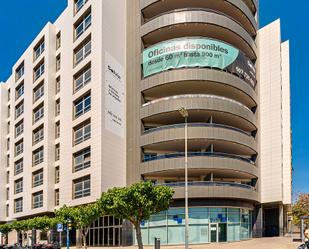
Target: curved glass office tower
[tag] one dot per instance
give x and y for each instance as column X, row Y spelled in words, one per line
column 201, row 56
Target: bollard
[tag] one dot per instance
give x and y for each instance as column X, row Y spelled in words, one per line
column 157, row 243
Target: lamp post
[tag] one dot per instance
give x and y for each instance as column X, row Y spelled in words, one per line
column 184, row 113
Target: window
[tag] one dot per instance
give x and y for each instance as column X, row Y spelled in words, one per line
column 79, row 4
column 57, row 197
column 18, row 186
column 82, row 78
column 58, row 84
column 19, row 91
column 38, row 134
column 19, row 72
column 7, row 210
column 81, row 187
column 57, row 107
column 57, row 175
column 38, row 92
column 37, row 178
column 38, row 156
column 58, row 40
column 39, row 70
column 57, row 152
column 7, row 194
column 57, row 130
column 8, row 144
column 82, row 160
column 82, row 53
column 19, row 148
column 82, row 105
column 19, row 166
column 8, row 127
column 82, row 26
column 58, row 62
column 8, row 161
column 38, row 113
column 9, row 111
column 37, row 199
column 9, row 94
column 19, row 128
column 82, row 133
column 19, row 110
column 7, row 177
column 18, row 205
column 39, row 49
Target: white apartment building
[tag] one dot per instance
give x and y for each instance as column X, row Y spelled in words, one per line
column 88, row 106
column 60, row 127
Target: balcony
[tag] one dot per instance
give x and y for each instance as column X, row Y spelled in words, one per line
column 193, row 22
column 199, row 163
column 236, row 9
column 201, row 107
column 199, row 80
column 215, row 190
column 201, row 137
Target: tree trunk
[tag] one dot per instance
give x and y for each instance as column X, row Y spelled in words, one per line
column 139, row 236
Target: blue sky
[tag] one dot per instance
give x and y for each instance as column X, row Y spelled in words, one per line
column 22, row 20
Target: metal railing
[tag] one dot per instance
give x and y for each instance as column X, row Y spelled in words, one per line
column 183, row 96
column 210, row 184
column 196, row 9
column 182, row 125
column 197, row 154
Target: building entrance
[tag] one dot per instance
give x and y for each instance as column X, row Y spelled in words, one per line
column 271, row 222
column 105, row 231
column 214, row 233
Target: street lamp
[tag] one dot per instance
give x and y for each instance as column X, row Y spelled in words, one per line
column 184, row 113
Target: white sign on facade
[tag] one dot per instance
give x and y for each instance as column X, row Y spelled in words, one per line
column 114, row 96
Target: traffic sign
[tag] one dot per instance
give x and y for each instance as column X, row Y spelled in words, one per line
column 59, row 227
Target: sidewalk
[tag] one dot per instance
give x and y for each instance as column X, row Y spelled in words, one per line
column 262, row 243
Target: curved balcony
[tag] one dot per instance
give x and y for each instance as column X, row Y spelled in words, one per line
column 200, row 107
column 199, row 163
column 252, row 5
column 194, row 81
column 215, row 190
column 200, row 136
column 236, row 9
column 183, row 23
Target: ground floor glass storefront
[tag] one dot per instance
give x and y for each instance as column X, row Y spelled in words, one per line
column 206, row 225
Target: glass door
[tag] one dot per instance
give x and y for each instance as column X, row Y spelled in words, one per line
column 214, row 232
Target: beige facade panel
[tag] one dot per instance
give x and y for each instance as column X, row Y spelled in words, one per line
column 218, row 26
column 217, row 192
column 207, row 133
column 234, row 8
column 200, row 162
column 243, row 92
column 204, row 103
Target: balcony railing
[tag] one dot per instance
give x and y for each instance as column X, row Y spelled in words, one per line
column 182, row 125
column 209, row 184
column 194, row 9
column 197, row 154
column 191, row 96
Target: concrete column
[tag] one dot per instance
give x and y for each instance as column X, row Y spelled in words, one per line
column 281, row 222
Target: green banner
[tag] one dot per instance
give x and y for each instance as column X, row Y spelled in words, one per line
column 188, row 52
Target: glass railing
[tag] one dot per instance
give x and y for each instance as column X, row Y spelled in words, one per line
column 197, row 154
column 191, row 96
column 210, row 184
column 182, row 125
column 194, row 9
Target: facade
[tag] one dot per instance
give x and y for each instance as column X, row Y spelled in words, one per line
column 93, row 103
column 210, row 58
column 53, row 114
